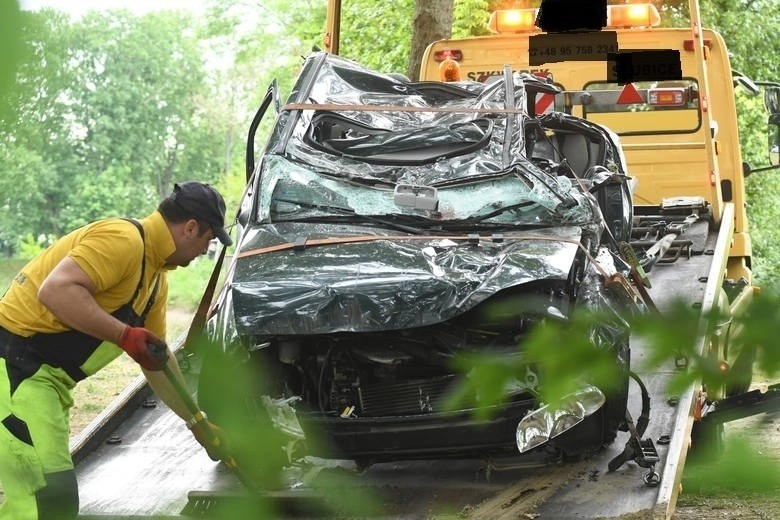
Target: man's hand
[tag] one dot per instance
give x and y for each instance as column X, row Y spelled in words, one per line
column 145, row 348
column 212, row 438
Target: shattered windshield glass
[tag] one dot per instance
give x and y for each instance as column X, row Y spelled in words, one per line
column 363, row 145
column 291, row 192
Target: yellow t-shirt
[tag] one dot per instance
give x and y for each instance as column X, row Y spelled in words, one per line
column 109, row 251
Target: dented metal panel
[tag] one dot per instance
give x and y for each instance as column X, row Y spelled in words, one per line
column 391, row 282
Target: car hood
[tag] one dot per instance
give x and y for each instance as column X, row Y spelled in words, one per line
column 353, row 279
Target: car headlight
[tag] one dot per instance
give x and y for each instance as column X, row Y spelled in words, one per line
column 546, row 423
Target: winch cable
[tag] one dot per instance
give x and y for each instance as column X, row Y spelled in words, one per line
column 641, row 451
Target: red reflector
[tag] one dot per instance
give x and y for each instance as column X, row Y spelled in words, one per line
column 688, row 44
column 454, row 54
column 629, row 95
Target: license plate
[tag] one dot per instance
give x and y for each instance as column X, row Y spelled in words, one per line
column 586, row 46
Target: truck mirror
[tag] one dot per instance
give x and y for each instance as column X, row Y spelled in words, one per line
column 772, row 100
column 774, row 139
column 746, row 82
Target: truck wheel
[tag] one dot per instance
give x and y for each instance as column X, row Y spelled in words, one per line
column 707, row 447
column 708, row 441
column 741, row 373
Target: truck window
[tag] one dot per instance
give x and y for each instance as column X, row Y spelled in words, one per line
column 644, row 108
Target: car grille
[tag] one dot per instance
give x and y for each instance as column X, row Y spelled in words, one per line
column 405, row 398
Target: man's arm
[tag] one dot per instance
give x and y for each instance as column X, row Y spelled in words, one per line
column 68, row 293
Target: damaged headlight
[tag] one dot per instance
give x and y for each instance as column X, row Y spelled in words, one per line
column 546, row 423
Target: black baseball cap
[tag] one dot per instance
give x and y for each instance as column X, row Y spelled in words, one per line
column 204, row 203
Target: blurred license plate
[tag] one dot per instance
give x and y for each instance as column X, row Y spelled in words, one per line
column 587, row 46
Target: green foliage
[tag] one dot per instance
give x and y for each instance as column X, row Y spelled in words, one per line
column 23, row 206
column 762, row 189
column 566, row 357
column 107, row 119
column 30, row 246
column 232, row 186
column 11, row 43
column 747, row 470
column 759, row 331
column 143, row 74
column 487, row 382
column 187, row 284
column 267, row 464
column 384, row 43
column 470, row 18
column 747, row 27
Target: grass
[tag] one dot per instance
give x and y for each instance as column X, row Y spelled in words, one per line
column 186, row 285
column 8, row 269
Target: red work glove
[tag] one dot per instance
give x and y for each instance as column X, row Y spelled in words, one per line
column 145, row 348
column 210, row 436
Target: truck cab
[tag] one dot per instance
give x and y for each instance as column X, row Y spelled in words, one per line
column 680, row 135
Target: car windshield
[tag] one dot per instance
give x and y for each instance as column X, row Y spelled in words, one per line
column 291, row 192
column 356, row 144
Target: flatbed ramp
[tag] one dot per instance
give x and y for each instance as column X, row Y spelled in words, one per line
column 157, row 465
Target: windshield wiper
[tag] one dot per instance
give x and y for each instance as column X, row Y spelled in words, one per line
column 363, row 181
column 348, row 215
column 478, row 221
column 466, row 226
column 313, row 205
column 499, row 211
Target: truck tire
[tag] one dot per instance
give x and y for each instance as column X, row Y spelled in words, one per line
column 229, row 391
column 741, row 372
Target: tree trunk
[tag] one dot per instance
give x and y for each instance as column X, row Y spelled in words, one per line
column 432, row 21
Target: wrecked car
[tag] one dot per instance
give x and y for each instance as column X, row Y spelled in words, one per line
column 390, row 227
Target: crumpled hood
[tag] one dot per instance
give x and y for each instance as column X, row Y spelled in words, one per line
column 353, row 279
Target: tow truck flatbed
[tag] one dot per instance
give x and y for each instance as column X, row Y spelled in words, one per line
column 152, row 466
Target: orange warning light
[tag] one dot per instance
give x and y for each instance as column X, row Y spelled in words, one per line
column 633, row 15
column 675, row 97
column 513, row 21
column 449, row 69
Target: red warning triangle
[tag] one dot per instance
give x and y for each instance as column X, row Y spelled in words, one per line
column 629, row 96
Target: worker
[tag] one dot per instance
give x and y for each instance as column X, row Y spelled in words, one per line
column 96, row 292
